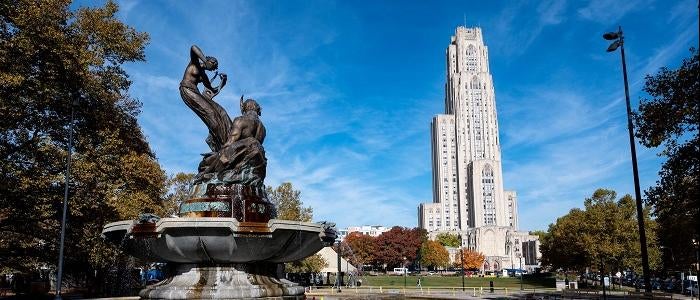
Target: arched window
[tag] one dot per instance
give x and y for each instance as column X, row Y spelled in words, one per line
column 476, row 84
column 471, row 50
column 487, row 171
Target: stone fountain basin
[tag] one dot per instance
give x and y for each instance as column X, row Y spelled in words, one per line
column 219, row 240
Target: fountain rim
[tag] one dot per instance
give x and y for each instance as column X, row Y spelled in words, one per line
column 232, row 224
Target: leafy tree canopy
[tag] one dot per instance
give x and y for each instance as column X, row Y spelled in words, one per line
column 605, row 232
column 472, row 260
column 53, row 60
column 670, row 118
column 311, row 264
column 363, row 247
column 433, row 254
column 399, row 246
column 177, row 190
column 288, row 203
column 448, row 239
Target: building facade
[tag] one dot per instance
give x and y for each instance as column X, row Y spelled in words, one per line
column 468, row 194
column 371, row 230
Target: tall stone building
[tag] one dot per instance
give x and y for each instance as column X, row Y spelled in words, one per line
column 468, row 194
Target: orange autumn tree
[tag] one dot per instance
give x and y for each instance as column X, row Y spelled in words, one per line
column 472, row 260
column 363, row 247
column 433, row 254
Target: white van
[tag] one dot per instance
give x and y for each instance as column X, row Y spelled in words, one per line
column 400, row 271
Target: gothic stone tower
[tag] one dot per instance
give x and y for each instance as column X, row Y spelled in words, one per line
column 466, row 155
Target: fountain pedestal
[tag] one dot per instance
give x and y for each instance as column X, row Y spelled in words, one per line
column 221, row 258
column 226, row 281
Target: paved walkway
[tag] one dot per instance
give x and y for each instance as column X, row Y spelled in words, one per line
column 346, row 294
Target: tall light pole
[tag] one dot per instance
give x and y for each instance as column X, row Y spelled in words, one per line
column 59, row 276
column 618, row 39
column 520, row 259
column 405, row 274
column 602, row 276
column 461, row 262
column 337, row 278
column 697, row 269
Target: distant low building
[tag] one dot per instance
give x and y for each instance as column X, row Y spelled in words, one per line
column 331, row 258
column 371, row 230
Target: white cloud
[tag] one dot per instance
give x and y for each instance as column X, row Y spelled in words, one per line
column 663, row 54
column 610, row 11
column 512, row 31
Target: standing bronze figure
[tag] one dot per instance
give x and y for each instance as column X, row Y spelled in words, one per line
column 213, row 115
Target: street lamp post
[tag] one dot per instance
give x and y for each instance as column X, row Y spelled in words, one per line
column 405, row 274
column 461, row 262
column 697, row 268
column 602, row 276
column 59, row 276
column 337, row 279
column 618, row 39
column 520, row 266
column 697, row 258
column 509, row 248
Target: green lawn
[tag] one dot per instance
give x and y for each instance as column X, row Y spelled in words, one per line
column 456, row 281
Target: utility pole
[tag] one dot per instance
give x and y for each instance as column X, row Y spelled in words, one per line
column 618, row 42
column 59, row 276
column 461, row 255
column 338, row 277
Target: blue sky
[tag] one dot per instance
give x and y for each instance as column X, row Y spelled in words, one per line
column 348, row 90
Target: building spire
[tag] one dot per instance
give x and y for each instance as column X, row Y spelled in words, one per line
column 465, row 20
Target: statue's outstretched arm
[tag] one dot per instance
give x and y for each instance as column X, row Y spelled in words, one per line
column 196, row 55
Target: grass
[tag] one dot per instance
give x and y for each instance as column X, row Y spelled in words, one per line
column 456, row 281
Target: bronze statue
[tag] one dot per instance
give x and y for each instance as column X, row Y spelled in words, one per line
column 242, row 158
column 237, row 155
column 211, row 113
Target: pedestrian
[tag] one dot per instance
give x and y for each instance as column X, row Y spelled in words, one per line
column 418, row 285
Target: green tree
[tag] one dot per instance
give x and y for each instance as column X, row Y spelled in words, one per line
column 605, row 232
column 311, row 264
column 433, row 254
column 540, row 233
column 448, row 239
column 288, row 203
column 670, row 119
column 52, row 59
column 562, row 247
column 177, row 190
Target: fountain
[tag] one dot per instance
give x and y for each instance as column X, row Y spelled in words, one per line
column 225, row 242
